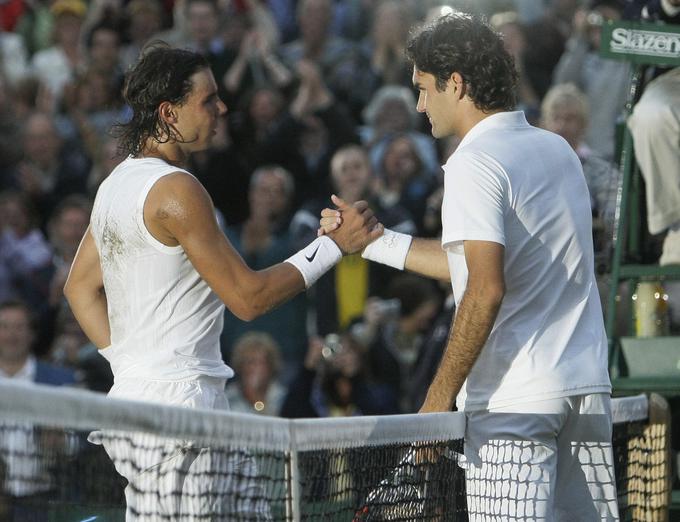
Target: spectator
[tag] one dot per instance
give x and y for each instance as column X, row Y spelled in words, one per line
column 229, row 192
column 341, row 294
column 383, row 49
column 254, row 121
column 29, row 471
column 71, row 349
column 105, row 158
column 655, row 126
column 255, row 65
column 604, row 81
column 36, row 26
column 196, row 27
column 66, row 227
column 9, row 130
column 24, row 252
column 58, row 65
column 404, row 178
column 17, row 334
column 13, row 57
column 391, row 111
column 336, row 384
column 393, row 332
column 92, row 106
column 256, row 361
column 308, row 134
column 250, row 39
column 262, row 240
column 104, row 48
column 432, row 348
column 515, row 42
column 338, row 59
column 50, row 169
column 144, row 20
column 565, row 112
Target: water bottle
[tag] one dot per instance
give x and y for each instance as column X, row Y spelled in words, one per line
column 650, row 309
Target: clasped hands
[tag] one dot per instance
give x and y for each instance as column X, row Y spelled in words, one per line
column 351, row 226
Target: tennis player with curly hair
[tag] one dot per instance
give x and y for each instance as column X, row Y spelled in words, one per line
column 526, row 358
column 152, row 276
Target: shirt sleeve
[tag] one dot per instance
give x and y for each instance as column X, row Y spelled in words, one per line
column 475, row 200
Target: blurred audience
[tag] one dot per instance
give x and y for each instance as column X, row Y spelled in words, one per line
column 391, row 111
column 604, row 81
column 25, row 254
column 403, row 177
column 340, row 295
column 334, row 382
column 256, row 360
column 339, row 60
column 13, row 57
column 30, row 473
column 144, row 20
column 383, row 48
column 66, row 228
column 305, row 82
column 49, row 169
column 58, row 64
column 263, row 240
column 392, row 332
column 565, row 111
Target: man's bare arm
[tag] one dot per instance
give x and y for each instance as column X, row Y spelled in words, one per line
column 84, row 291
column 178, row 210
column 426, row 257
column 473, row 323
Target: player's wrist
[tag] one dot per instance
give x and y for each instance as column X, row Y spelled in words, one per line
column 316, row 259
column 389, row 249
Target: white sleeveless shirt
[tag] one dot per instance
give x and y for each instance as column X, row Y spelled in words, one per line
column 165, row 320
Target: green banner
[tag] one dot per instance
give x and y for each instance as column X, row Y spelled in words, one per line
column 657, row 44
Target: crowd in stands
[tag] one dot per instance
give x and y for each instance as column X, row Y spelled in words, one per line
column 320, row 101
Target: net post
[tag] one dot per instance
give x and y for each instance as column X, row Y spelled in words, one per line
column 293, row 479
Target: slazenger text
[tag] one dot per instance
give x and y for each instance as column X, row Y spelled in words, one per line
column 645, row 42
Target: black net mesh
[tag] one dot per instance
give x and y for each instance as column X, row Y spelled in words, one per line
column 393, row 482
column 51, row 472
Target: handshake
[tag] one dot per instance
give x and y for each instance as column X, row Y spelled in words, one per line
column 351, row 226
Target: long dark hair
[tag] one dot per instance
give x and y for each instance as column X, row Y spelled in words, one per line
column 467, row 45
column 161, row 74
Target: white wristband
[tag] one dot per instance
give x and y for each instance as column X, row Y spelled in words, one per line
column 389, row 249
column 316, row 259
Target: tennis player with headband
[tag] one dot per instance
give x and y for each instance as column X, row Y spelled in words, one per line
column 526, row 358
column 153, row 272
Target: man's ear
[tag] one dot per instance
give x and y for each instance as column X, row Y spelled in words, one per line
column 167, row 112
column 458, row 84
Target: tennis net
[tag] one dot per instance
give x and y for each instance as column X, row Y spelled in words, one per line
column 58, row 447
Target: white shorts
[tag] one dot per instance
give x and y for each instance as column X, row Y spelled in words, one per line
column 179, row 478
column 547, row 460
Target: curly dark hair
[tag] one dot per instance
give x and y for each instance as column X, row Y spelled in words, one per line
column 467, row 45
column 162, row 74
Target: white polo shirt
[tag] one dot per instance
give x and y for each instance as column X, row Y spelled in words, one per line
column 523, row 187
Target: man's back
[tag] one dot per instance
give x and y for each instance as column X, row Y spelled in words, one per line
column 524, row 188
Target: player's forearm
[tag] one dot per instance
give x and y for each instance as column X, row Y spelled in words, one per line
column 257, row 292
column 268, row 289
column 473, row 323
column 404, row 252
column 90, row 310
column 426, row 257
